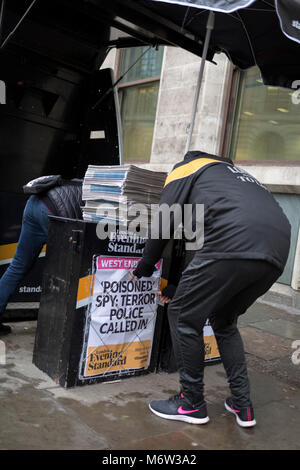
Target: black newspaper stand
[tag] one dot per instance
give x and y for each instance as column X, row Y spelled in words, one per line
column 64, row 306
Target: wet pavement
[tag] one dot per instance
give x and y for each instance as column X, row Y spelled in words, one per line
column 38, row 414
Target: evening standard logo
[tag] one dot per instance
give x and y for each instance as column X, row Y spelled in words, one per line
column 2, row 92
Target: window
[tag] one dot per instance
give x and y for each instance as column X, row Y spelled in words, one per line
column 138, row 97
column 266, row 122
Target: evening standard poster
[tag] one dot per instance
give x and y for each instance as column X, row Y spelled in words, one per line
column 121, row 318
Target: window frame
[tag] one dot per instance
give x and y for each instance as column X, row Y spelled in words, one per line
column 231, row 101
column 122, row 86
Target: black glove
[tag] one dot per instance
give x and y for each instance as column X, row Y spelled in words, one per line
column 169, row 291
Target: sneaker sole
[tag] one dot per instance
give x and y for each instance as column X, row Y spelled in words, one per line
column 243, row 424
column 184, row 418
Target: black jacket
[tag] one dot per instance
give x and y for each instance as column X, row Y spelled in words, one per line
column 242, row 220
column 65, row 200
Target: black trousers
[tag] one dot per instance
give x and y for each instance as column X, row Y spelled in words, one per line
column 218, row 290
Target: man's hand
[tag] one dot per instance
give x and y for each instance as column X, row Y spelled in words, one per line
column 163, row 298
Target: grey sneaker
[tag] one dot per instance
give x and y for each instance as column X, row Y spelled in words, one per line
column 244, row 416
column 177, row 408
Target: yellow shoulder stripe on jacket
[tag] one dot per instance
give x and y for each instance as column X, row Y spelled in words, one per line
column 188, row 169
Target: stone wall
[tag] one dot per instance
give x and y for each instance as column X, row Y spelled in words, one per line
column 179, row 77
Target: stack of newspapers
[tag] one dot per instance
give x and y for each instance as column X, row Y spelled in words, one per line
column 120, row 193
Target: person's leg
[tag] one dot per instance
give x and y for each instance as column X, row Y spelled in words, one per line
column 230, row 344
column 231, row 350
column 32, row 238
column 232, row 353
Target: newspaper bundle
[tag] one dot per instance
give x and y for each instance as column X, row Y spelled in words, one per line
column 119, row 192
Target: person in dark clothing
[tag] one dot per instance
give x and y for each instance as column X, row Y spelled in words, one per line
column 245, row 248
column 63, row 200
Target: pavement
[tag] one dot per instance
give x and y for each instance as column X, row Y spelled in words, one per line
column 38, row 414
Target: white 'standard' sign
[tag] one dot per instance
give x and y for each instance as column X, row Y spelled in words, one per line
column 121, row 320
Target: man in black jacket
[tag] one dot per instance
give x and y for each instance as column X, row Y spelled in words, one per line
column 63, row 200
column 244, row 250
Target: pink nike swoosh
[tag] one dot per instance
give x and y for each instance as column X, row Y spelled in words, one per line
column 185, row 412
column 236, row 411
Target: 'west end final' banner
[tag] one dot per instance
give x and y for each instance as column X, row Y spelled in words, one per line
column 121, row 320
